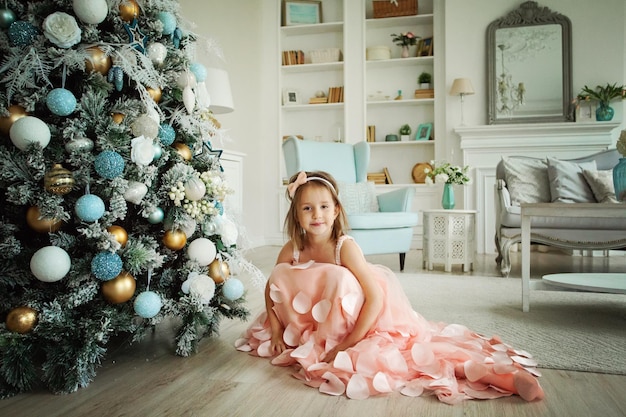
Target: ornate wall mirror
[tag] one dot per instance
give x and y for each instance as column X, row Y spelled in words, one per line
column 529, row 66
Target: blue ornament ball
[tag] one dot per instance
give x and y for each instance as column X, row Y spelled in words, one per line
column 109, row 164
column 89, row 208
column 106, row 265
column 61, row 102
column 22, row 33
column 7, row 17
column 199, row 71
column 232, row 289
column 158, row 151
column 148, row 304
column 169, row 22
column 156, row 216
column 167, row 135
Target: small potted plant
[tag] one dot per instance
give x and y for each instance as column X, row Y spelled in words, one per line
column 405, row 132
column 405, row 40
column 604, row 95
column 424, row 80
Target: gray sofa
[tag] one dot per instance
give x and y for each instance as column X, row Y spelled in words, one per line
column 521, row 179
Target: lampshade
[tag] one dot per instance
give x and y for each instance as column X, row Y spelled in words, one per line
column 218, row 86
column 461, row 86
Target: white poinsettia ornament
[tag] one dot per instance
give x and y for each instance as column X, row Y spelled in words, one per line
column 199, row 285
column 61, row 29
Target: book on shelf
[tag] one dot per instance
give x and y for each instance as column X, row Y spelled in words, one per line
column 318, row 100
column 376, row 177
column 293, row 57
column 387, row 176
column 335, row 94
column 371, row 133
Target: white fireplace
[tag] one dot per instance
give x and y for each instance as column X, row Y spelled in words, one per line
column 483, row 147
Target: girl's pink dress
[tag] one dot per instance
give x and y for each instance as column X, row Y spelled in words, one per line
column 319, row 303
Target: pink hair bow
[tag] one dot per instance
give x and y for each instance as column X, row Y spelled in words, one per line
column 300, row 180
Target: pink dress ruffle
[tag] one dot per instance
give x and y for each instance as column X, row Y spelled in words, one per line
column 319, row 304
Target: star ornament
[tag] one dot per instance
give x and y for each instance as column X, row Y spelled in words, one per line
column 136, row 37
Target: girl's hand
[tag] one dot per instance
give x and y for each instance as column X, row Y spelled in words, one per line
column 329, row 356
column 277, row 345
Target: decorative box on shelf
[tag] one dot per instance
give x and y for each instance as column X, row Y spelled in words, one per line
column 321, row 56
column 425, row 93
column 393, row 8
column 377, row 53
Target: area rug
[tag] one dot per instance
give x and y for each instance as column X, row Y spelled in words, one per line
column 577, row 331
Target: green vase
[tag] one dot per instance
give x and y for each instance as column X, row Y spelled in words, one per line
column 447, row 199
column 604, row 112
column 619, row 179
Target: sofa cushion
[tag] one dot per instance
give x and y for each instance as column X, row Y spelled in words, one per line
column 382, row 220
column 527, row 180
column 358, row 197
column 601, row 184
column 567, row 183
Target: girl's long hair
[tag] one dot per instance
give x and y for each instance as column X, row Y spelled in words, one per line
column 292, row 226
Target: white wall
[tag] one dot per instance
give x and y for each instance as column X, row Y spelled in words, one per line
column 247, row 32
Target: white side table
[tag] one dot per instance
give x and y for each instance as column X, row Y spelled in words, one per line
column 449, row 238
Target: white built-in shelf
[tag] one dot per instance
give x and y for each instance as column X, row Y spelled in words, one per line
column 309, row 107
column 399, row 62
column 419, row 19
column 403, row 102
column 313, row 29
column 301, row 68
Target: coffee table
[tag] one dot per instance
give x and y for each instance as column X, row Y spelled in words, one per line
column 530, row 210
column 602, row 282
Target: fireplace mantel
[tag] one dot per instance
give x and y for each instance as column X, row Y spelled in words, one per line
column 482, row 148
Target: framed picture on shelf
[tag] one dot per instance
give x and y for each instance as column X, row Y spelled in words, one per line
column 584, row 113
column 425, row 47
column 301, row 12
column 423, row 131
column 290, row 97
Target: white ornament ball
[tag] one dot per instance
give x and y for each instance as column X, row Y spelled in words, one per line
column 233, row 289
column 50, row 264
column 145, row 126
column 202, row 251
column 91, row 11
column 186, row 79
column 136, row 192
column 29, row 129
column 157, row 52
column 195, row 189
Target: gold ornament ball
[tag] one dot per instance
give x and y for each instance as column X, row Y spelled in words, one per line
column 41, row 224
column 119, row 233
column 120, row 289
column 219, row 271
column 155, row 93
column 15, row 112
column 129, row 10
column 58, row 180
column 98, row 61
column 21, row 319
column 117, row 117
column 183, row 150
column 174, row 239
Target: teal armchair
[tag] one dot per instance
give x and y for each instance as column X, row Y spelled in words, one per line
column 385, row 222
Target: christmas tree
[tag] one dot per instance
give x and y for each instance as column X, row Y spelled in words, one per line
column 112, row 216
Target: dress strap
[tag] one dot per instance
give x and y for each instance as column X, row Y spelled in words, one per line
column 338, row 247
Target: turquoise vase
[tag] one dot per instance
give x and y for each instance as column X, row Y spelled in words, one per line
column 604, row 112
column 447, row 199
column 619, row 179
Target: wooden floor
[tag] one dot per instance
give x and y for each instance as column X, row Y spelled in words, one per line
column 146, row 379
